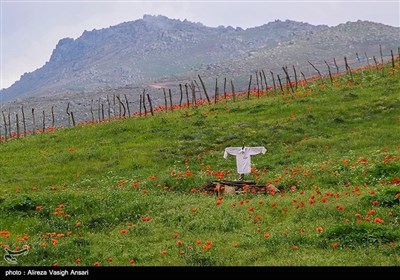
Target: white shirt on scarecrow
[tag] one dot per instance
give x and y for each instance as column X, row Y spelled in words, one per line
column 243, row 155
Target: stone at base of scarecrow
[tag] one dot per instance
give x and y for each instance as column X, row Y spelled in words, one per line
column 229, row 190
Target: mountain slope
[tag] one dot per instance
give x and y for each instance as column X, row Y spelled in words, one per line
column 144, row 50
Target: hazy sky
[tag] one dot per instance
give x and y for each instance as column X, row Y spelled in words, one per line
column 30, row 29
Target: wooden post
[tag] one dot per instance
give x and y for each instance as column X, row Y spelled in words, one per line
column 233, row 91
column 17, row 124
column 5, row 125
column 376, row 64
column 73, row 119
column 383, row 68
column 144, row 102
column 216, row 93
column 102, row 111
column 193, row 88
column 91, row 110
column 114, row 103
column 280, row 83
column 165, row 100
column 151, row 106
column 9, row 122
column 23, row 119
column 391, row 52
column 337, row 67
column 180, row 100
column 170, row 99
column 127, row 106
column 204, row 88
column 366, row 57
column 304, row 78
column 225, row 88
column 261, row 82
column 68, row 114
column 329, row 70
column 288, row 78
column 258, row 86
column 43, row 122
column 109, row 108
column 99, row 111
column 119, row 105
column 348, row 68
column 122, row 106
column 52, row 117
column 248, row 90
column 319, row 73
column 359, row 62
column 187, row 95
column 33, row 120
column 295, row 76
column 273, row 81
column 265, row 81
column 140, row 105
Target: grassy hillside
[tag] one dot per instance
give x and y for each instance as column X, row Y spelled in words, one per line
column 130, row 192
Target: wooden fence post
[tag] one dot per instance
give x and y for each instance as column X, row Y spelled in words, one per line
column 127, row 106
column 337, row 67
column 295, row 76
column 248, row 90
column 122, row 106
column 23, row 119
column 261, row 82
column 109, row 108
column 233, row 91
column 348, row 68
column 225, row 88
column 180, row 100
column 102, row 112
column 43, row 122
column 376, row 64
column 280, row 83
column 144, row 102
column 193, row 88
column 391, row 52
column 53, row 122
column 5, row 125
column 170, row 99
column 383, row 68
column 99, row 110
column 258, row 85
column 165, row 100
column 140, row 105
column 304, row 78
column 151, row 106
column 187, row 95
column 9, row 122
column 73, row 119
column 17, row 124
column 288, row 78
column 366, row 57
column 319, row 73
column 265, row 81
column 204, row 88
column 329, row 70
column 216, row 93
column 273, row 81
column 91, row 110
column 33, row 120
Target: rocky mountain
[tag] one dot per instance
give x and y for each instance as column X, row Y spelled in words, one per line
column 145, row 50
column 156, row 50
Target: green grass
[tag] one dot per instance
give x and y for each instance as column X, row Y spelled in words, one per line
column 333, row 151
